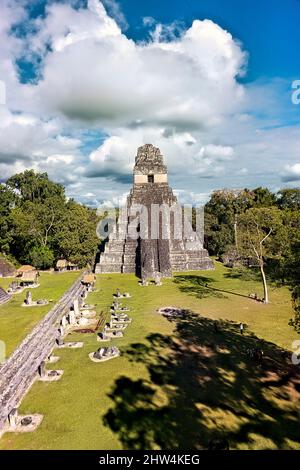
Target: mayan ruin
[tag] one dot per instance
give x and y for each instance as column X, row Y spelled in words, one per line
column 152, row 256
column 149, row 233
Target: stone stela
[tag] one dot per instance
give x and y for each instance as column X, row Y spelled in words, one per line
column 151, row 257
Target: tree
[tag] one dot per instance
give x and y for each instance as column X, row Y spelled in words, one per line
column 35, row 187
column 296, row 305
column 263, row 197
column 293, row 276
column 221, row 213
column 218, row 237
column 289, row 198
column 38, row 205
column 7, row 202
column 76, row 235
column 257, row 232
column 22, row 233
column 38, row 225
column 41, row 257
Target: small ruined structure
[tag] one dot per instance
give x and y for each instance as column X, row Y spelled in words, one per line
column 4, row 297
column 89, row 281
column 28, row 302
column 104, row 354
column 28, row 299
column 152, row 255
column 6, row 268
column 63, row 265
column 26, row 268
column 119, row 295
column 29, row 279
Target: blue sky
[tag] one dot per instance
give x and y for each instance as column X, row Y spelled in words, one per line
column 209, row 81
column 268, row 29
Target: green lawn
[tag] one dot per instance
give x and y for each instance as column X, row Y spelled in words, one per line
column 179, row 383
column 17, row 321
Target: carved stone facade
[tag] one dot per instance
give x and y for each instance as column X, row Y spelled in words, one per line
column 154, row 254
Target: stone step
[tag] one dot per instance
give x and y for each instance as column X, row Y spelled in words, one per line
column 203, row 264
column 115, row 249
column 177, row 255
column 108, row 268
column 194, row 256
column 115, row 243
column 178, row 263
column 129, row 259
column 111, row 258
column 128, row 268
column 130, row 249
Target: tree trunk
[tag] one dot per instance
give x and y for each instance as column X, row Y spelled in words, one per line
column 266, row 297
column 235, row 235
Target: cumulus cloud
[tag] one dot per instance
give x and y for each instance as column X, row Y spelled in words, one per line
column 113, row 9
column 184, row 154
column 93, row 71
column 161, row 91
column 291, row 173
column 178, row 89
column 25, row 137
column 11, row 13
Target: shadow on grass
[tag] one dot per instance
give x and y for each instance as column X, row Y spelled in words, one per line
column 204, row 389
column 199, row 286
column 243, row 274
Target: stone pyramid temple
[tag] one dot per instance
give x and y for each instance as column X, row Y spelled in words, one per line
column 159, row 253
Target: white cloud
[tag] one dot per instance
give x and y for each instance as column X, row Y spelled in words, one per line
column 11, row 13
column 114, row 10
column 57, row 159
column 95, row 72
column 217, row 152
column 183, row 153
column 178, row 90
column 25, row 137
column 291, row 173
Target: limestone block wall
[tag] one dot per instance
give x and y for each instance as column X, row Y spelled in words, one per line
column 161, row 178
column 139, row 179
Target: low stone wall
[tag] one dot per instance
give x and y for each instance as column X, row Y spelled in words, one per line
column 19, row 371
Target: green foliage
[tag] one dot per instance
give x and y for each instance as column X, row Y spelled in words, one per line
column 76, row 236
column 258, row 224
column 35, row 187
column 259, row 233
column 236, row 219
column 222, row 211
column 218, row 236
column 7, row 202
column 292, row 272
column 295, row 322
column 289, row 198
column 263, row 197
column 38, row 225
column 42, row 257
